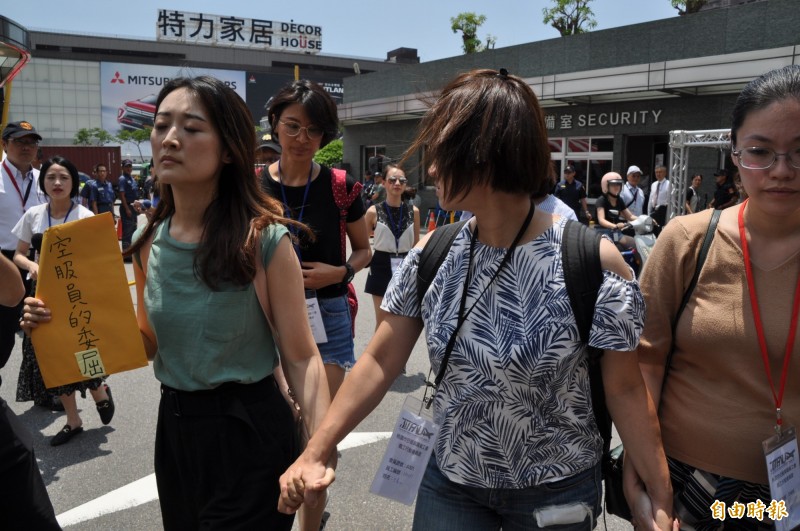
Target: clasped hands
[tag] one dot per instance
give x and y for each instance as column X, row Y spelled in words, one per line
column 305, row 481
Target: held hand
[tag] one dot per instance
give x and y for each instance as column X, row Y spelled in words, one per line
column 317, row 275
column 304, row 481
column 647, row 514
column 34, row 312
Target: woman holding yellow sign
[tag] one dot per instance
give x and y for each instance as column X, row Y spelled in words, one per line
column 58, row 179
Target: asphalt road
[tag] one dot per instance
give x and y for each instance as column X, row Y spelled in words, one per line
column 102, row 480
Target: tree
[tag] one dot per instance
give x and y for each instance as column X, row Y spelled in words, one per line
column 92, row 137
column 468, row 24
column 686, row 7
column 570, row 17
column 331, row 154
column 136, row 137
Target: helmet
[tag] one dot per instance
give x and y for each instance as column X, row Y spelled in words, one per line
column 610, row 178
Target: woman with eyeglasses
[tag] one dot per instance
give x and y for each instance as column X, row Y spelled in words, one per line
column 735, row 371
column 304, row 119
column 396, row 225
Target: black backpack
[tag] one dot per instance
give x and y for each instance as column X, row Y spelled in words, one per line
column 580, row 258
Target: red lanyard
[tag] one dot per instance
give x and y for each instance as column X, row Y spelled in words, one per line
column 762, row 342
column 12, row 178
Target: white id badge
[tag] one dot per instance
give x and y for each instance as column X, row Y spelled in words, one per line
column 315, row 317
column 783, row 468
column 395, row 262
column 407, row 455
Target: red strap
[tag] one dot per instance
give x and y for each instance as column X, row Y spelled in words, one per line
column 762, row 342
column 343, row 201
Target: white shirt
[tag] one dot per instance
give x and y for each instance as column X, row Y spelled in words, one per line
column 659, row 195
column 633, row 198
column 11, row 207
column 554, row 205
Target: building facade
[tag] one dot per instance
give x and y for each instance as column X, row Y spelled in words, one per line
column 88, row 81
column 610, row 97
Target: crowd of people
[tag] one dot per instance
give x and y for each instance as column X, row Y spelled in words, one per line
column 245, row 306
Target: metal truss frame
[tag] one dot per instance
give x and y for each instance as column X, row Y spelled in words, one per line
column 680, row 142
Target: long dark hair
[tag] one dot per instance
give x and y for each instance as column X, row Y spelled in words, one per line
column 240, row 208
column 70, row 167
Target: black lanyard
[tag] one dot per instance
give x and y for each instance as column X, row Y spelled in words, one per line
column 288, row 210
column 463, row 313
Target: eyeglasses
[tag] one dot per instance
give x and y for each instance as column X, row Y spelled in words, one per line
column 401, row 180
column 761, row 158
column 26, row 143
column 293, row 129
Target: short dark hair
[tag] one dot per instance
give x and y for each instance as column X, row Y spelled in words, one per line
column 775, row 85
column 486, row 128
column 70, row 167
column 317, row 103
column 98, row 166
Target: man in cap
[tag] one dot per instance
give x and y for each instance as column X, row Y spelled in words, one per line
column 726, row 194
column 633, row 196
column 268, row 151
column 19, row 191
column 378, row 189
column 573, row 193
column 128, row 190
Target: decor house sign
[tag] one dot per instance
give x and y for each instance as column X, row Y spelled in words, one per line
column 218, row 30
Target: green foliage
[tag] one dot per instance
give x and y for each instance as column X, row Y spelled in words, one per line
column 136, row 137
column 570, row 17
column 686, row 7
column 331, row 154
column 92, row 137
column 468, row 24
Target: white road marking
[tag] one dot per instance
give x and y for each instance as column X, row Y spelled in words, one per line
column 144, row 490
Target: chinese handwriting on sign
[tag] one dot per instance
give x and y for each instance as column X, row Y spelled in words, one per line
column 216, row 30
column 80, row 316
column 776, row 510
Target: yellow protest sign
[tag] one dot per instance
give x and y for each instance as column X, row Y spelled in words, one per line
column 93, row 331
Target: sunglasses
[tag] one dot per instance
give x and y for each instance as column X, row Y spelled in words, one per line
column 401, row 180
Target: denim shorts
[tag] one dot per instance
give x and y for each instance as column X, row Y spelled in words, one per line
column 570, row 504
column 339, row 348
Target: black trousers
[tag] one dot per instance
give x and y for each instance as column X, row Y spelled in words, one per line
column 24, row 503
column 219, row 455
column 9, row 319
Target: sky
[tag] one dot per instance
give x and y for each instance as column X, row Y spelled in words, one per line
column 358, row 29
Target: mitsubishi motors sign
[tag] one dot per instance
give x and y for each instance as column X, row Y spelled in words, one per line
column 128, row 92
column 229, row 31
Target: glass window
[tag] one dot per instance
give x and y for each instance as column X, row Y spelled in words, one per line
column 602, row 144
column 374, row 158
column 578, row 145
column 556, row 145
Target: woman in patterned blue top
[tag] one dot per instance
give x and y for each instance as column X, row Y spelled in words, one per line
column 518, row 447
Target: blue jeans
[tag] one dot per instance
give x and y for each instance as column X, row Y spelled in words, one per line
column 445, row 505
column 338, row 350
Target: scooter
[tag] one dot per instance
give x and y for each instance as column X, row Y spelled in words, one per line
column 641, row 229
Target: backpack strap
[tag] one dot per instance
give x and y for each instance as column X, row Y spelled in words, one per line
column 580, row 258
column 433, row 255
column 343, row 201
column 583, row 274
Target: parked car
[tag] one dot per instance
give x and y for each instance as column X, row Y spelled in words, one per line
column 137, row 114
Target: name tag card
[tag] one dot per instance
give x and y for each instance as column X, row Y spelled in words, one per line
column 315, row 317
column 407, row 454
column 784, row 477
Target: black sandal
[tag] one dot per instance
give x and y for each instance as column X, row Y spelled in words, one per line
column 106, row 407
column 65, row 435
